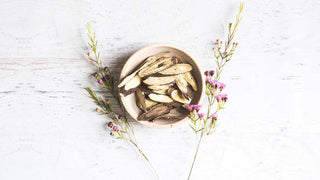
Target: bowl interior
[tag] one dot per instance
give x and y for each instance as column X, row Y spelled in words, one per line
column 138, row 57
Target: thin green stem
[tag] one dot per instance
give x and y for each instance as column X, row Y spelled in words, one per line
column 145, row 157
column 195, row 156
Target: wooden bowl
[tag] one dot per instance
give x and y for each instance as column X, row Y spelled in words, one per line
column 138, row 57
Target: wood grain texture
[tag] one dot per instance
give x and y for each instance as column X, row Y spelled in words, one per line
column 48, row 127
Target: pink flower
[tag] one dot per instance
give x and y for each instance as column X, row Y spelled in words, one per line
column 214, row 83
column 197, row 107
column 221, row 85
column 189, row 107
column 211, row 82
column 201, row 115
column 218, row 97
column 224, row 97
column 100, row 81
column 214, row 116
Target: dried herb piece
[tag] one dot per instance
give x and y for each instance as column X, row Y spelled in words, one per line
column 126, row 80
column 174, row 115
column 160, row 98
column 154, row 112
column 160, row 91
column 151, row 80
column 177, row 69
column 182, row 84
column 159, row 65
column 133, row 83
column 175, row 95
column 190, row 79
column 159, row 87
column 173, row 104
column 150, row 103
column 141, row 99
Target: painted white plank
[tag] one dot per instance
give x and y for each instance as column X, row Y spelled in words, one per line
column 48, row 127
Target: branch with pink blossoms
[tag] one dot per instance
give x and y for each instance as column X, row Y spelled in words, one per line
column 202, row 123
column 118, row 124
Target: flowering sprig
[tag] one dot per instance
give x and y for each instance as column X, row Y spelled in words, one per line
column 205, row 124
column 119, row 125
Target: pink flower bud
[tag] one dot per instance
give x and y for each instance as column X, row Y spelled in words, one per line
column 97, row 110
column 115, row 128
column 111, row 134
column 206, row 73
column 119, row 117
column 214, row 116
column 212, row 72
column 110, row 124
column 100, row 81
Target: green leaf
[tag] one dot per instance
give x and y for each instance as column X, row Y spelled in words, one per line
column 193, row 128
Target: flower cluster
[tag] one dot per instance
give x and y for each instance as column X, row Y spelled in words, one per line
column 195, row 116
column 114, row 129
column 213, row 85
column 221, row 97
column 219, row 53
column 200, row 122
column 103, row 77
column 193, row 107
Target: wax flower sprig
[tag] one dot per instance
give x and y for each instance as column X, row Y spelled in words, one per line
column 118, row 125
column 204, row 124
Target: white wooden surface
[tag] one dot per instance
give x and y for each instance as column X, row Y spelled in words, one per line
column 48, row 127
